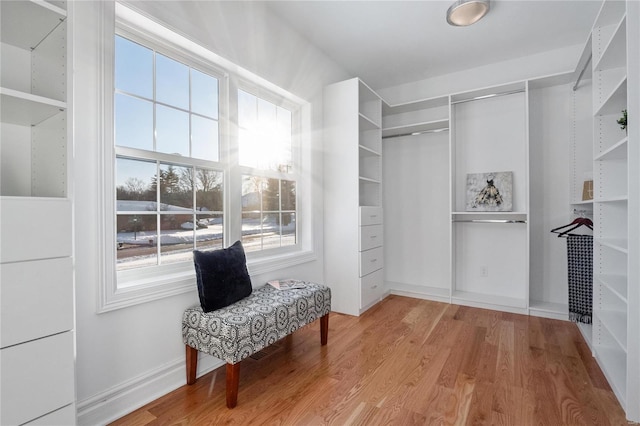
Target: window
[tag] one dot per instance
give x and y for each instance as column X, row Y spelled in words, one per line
column 269, row 182
column 197, row 158
column 169, row 185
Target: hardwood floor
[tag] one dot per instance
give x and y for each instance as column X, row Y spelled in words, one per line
column 408, row 361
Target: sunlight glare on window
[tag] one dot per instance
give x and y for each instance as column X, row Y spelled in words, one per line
column 265, row 141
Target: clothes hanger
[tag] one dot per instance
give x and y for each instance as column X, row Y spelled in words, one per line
column 577, row 223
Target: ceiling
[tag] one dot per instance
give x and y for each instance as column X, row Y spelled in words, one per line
column 387, row 43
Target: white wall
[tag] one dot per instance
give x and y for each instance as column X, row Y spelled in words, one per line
column 538, row 65
column 130, row 356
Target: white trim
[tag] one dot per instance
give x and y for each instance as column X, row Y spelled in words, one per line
column 118, row 401
column 135, row 19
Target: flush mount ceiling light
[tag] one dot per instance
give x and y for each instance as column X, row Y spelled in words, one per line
column 467, row 12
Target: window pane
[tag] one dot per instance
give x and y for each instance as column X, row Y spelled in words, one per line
column 251, row 232
column 172, row 82
column 209, row 231
column 136, row 239
column 176, row 187
column 265, row 134
column 135, row 185
column 208, row 190
column 271, row 195
column 266, row 114
column 288, row 229
column 204, row 94
column 284, row 140
column 133, row 122
column 247, row 109
column 288, row 195
column 251, row 193
column 176, row 237
column 133, row 68
column 204, row 138
column 270, row 230
column 172, row 131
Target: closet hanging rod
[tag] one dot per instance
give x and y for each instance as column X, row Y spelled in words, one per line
column 584, row 68
column 421, row 132
column 489, row 221
column 492, row 95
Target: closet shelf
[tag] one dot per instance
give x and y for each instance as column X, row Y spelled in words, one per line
column 522, row 216
column 368, row 180
column 366, row 151
column 416, row 128
column 617, row 151
column 617, row 284
column 26, row 23
column 616, row 325
column 615, row 244
column 367, row 123
column 616, row 199
column 440, row 101
column 616, row 101
column 27, row 109
column 614, row 53
column 610, row 13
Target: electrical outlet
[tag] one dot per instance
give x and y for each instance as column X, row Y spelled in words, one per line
column 484, row 271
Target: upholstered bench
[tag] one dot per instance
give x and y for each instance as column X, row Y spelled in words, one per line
column 237, row 331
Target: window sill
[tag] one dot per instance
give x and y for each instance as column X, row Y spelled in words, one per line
column 146, row 289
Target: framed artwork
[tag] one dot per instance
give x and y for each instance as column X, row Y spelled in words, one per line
column 490, row 192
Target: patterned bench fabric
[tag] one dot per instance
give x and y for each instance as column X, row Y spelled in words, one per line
column 239, row 330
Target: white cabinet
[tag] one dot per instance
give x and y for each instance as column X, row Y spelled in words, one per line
column 353, row 219
column 36, row 263
column 615, row 328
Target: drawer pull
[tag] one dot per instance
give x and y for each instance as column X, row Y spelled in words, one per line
column 373, row 236
column 374, row 260
column 373, row 216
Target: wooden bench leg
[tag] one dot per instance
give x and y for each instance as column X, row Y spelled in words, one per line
column 192, row 364
column 324, row 329
column 233, row 379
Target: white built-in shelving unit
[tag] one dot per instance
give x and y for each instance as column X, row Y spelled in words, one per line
column 353, row 217
column 490, row 250
column 37, row 339
column 614, row 344
column 429, row 146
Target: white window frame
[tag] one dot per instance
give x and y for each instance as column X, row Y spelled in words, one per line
column 147, row 284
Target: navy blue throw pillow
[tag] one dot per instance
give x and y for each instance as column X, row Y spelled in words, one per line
column 222, row 276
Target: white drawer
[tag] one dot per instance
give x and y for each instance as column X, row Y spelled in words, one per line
column 370, row 216
column 34, row 228
column 371, row 260
column 37, row 299
column 371, row 288
column 37, row 378
column 370, row 237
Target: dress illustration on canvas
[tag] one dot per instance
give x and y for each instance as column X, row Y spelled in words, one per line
column 489, row 196
column 489, row 192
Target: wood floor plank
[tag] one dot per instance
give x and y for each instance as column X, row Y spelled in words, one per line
column 404, row 362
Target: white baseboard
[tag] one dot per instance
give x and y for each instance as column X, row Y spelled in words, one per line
column 122, row 399
column 418, row 292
